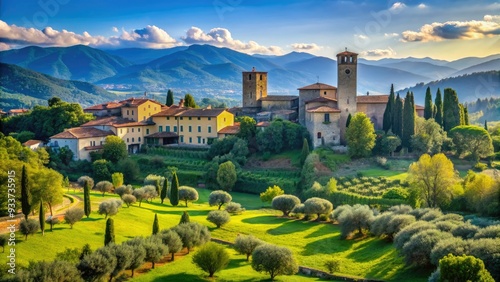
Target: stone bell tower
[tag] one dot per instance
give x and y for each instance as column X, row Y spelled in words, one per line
column 254, row 88
column 347, row 74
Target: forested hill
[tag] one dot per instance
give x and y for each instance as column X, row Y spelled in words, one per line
column 23, row 88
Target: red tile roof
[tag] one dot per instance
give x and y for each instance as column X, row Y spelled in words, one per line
column 318, row 86
column 323, row 109
column 81, row 132
column 201, row 112
column 263, row 124
column 321, row 99
column 31, row 142
column 116, row 122
column 135, row 102
column 231, row 129
column 372, row 99
column 348, row 53
column 279, row 98
column 18, row 111
column 104, row 106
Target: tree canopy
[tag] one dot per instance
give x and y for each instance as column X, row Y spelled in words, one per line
column 360, row 136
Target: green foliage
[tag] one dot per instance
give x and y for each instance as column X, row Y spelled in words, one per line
column 114, row 149
column 211, row 258
column 124, row 190
column 184, row 218
column 155, row 249
column 473, row 141
column 226, row 175
column 104, row 186
column 170, row 98
column 23, row 136
column 270, row 193
column 438, row 103
column 281, row 135
column 164, row 190
column 156, row 225
column 97, row 265
column 453, row 246
column 25, row 193
column 87, row 207
column 332, row 265
column 360, row 136
column 451, row 110
column 69, row 255
column 285, row 203
column 109, row 236
column 101, row 170
column 488, row 250
column 408, row 121
column 463, row 268
column 317, row 206
column 139, row 254
column 28, row 227
column 172, row 240
column 57, row 270
column 192, row 234
column 124, row 255
column 305, row 152
column 308, row 174
column 429, row 136
column 117, row 179
column 130, row 170
column 356, row 218
column 189, row 101
column 218, row 217
column 389, row 110
column 188, row 194
column 429, row 106
column 348, row 121
column 109, row 207
column 274, row 260
column 3, row 241
column 41, row 218
column 174, row 190
column 418, row 249
column 247, row 128
column 219, row 198
column 246, row 244
column 72, row 216
column 129, row 199
column 396, row 193
column 397, row 117
column 386, row 143
column 234, row 208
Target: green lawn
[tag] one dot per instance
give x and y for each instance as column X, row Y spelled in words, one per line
column 311, row 242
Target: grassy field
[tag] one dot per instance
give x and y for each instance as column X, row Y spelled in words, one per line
column 311, row 242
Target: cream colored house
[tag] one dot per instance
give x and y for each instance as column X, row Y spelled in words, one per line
column 80, row 140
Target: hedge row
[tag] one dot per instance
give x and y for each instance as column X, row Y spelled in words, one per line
column 338, row 198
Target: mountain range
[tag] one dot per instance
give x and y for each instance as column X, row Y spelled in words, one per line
column 208, row 71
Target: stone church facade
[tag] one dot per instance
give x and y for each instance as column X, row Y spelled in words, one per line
column 323, row 109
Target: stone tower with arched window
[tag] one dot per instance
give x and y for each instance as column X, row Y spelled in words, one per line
column 347, row 71
column 254, row 88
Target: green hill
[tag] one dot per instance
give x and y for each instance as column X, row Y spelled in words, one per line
column 23, row 88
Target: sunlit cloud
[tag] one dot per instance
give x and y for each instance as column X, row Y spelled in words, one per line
column 306, row 46
column 389, row 52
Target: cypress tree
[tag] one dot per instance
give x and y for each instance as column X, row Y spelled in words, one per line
column 158, row 186
column 109, row 237
column 163, row 193
column 451, row 110
column 349, row 117
column 305, row 151
column 25, row 193
column 41, row 218
column 486, row 125
column 185, row 218
column 397, row 124
column 408, row 120
column 429, row 107
column 86, row 250
column 156, row 225
column 438, row 117
column 86, row 199
column 170, row 98
column 174, row 190
column 389, row 109
column 466, row 116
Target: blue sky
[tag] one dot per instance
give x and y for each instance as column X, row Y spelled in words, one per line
column 376, row 29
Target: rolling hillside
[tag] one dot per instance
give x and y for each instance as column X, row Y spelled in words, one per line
column 23, row 88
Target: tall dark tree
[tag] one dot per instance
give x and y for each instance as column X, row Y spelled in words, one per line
column 170, row 98
column 156, row 225
column 389, row 110
column 408, row 121
column 184, row 218
column 466, row 116
column 429, row 106
column 486, row 125
column 305, row 151
column 174, row 190
column 158, row 186
column 397, row 123
column 438, row 117
column 348, row 121
column 41, row 217
column 451, row 110
column 109, row 237
column 163, row 193
column 25, row 193
column 87, row 208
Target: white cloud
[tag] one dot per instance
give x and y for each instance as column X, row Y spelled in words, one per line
column 306, row 46
column 379, row 53
column 222, row 37
column 489, row 27
column 398, row 6
column 422, row 6
column 115, row 29
column 149, row 37
column 361, row 36
column 4, row 46
column 391, row 34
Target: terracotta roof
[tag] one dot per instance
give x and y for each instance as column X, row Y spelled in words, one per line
column 323, row 109
column 170, row 112
column 91, row 148
column 348, row 53
column 163, row 134
column 81, row 132
column 18, row 111
column 116, row 122
column 135, row 102
column 321, row 99
column 2, row 112
column 104, row 106
column 201, row 113
column 31, row 142
column 318, row 86
column 279, row 98
column 231, row 129
column 263, row 124
column 418, row 107
column 372, row 99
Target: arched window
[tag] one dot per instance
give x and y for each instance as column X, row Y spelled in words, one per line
column 324, row 93
column 261, row 77
column 319, row 135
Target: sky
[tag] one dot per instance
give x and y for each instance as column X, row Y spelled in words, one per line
column 445, row 29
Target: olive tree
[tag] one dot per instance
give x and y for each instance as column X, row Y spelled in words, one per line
column 139, row 256
column 72, row 216
column 104, row 186
column 472, row 140
column 155, row 249
column 211, row 258
column 128, row 199
column 172, row 240
column 285, row 203
column 97, row 265
column 406, row 233
column 418, row 249
column 317, row 206
column 218, row 217
column 246, row 244
column 219, row 198
column 28, row 227
column 274, row 260
column 454, row 246
column 109, row 207
column 188, row 194
column 357, row 218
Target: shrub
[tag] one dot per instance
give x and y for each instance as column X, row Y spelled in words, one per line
column 270, row 193
column 97, row 265
column 492, row 231
column 317, row 206
column 72, row 216
column 390, row 223
column 234, row 208
column 49, row 271
column 431, row 215
column 211, row 258
column 52, row 220
column 219, row 198
column 465, row 231
column 406, row 233
column 246, row 244
column 184, row 218
column 454, row 246
column 396, row 193
column 139, row 253
column 81, row 181
column 463, row 268
column 418, row 249
column 192, row 234
column 218, row 217
column 124, row 255
column 332, row 265
column 488, row 250
column 188, row 194
column 274, row 260
column 28, row 227
column 109, row 207
column 357, row 218
column 128, row 199
column 480, row 166
column 285, row 203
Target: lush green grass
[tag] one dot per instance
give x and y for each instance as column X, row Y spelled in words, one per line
column 328, row 157
column 311, row 242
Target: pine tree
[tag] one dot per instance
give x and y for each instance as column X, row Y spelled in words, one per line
column 189, row 101
column 451, row 110
column 486, row 125
column 438, row 117
column 397, row 123
column 87, row 208
column 389, row 110
column 174, row 190
column 109, row 237
column 170, row 98
column 429, row 107
column 41, row 218
column 25, row 193
column 185, row 218
column 305, row 151
column 163, row 193
column 156, row 225
column 348, row 121
column 408, row 121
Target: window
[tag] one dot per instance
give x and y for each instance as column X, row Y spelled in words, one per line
column 121, row 131
column 209, row 129
column 190, row 140
column 101, row 142
column 249, row 77
column 199, row 118
column 127, row 140
column 132, row 130
column 182, row 128
column 327, row 117
column 189, row 128
column 139, row 139
column 176, row 118
column 160, row 128
column 167, row 128
column 175, row 128
column 319, row 135
column 182, row 118
column 144, row 108
column 149, row 106
column 128, row 113
column 168, row 118
column 261, row 77
column 138, row 129
column 209, row 118
column 132, row 139
column 127, row 130
column 224, row 119
column 182, row 138
column 324, row 93
column 199, row 140
column 199, row 128
column 132, row 112
column 147, row 130
column 189, row 118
